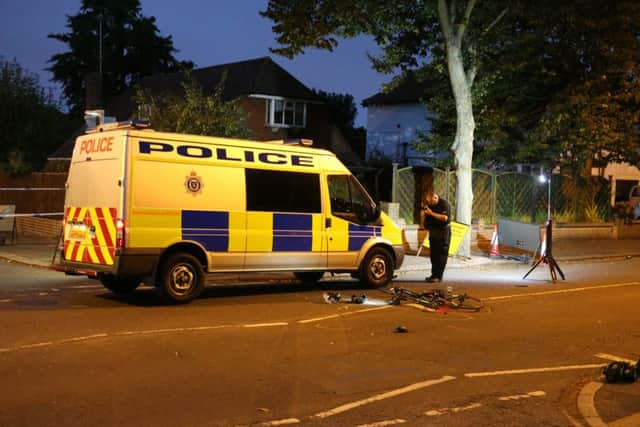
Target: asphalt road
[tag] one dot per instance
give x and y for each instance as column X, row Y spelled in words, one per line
column 275, row 353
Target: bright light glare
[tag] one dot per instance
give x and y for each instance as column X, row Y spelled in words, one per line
column 542, row 178
column 375, row 302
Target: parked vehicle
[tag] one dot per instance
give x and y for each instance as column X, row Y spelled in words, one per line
column 629, row 209
column 165, row 208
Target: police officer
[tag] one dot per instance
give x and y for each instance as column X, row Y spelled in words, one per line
column 436, row 220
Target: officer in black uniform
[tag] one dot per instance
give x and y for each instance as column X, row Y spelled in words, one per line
column 436, row 221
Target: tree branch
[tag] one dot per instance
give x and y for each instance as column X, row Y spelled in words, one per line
column 465, row 19
column 452, row 10
column 495, row 21
column 445, row 21
column 471, row 74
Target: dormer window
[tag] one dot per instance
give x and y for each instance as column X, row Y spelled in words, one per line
column 283, row 112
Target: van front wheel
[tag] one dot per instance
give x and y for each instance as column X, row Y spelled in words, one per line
column 376, row 270
column 180, row 278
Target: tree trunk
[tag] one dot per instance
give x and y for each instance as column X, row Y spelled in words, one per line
column 463, row 145
column 461, row 81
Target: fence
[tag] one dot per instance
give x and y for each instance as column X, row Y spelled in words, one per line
column 34, row 194
column 510, row 195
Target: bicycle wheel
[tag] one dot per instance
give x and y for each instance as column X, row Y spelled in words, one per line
column 465, row 303
column 428, row 302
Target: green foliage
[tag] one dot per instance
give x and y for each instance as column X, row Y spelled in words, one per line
column 193, row 112
column 567, row 216
column 131, row 45
column 343, row 113
column 31, row 123
column 564, row 89
column 593, row 214
column 341, row 107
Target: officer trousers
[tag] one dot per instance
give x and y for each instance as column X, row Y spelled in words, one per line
column 439, row 241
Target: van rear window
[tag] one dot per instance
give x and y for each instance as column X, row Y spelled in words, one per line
column 278, row 191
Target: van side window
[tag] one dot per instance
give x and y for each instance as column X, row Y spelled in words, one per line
column 278, row 191
column 348, row 199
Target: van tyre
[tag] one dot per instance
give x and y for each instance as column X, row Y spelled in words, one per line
column 309, row 277
column 376, row 270
column 120, row 285
column 180, row 278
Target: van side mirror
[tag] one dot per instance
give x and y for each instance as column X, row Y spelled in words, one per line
column 368, row 214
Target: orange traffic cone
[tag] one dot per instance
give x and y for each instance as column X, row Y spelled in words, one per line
column 494, row 248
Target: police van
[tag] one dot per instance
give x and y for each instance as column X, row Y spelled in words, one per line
column 165, row 209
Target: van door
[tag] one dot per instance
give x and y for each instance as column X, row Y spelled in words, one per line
column 285, row 229
column 351, row 209
column 93, row 200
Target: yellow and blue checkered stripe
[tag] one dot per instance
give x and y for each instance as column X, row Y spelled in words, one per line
column 359, row 234
column 287, row 232
column 209, row 228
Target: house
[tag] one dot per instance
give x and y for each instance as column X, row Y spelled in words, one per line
column 394, row 120
column 622, row 177
column 278, row 105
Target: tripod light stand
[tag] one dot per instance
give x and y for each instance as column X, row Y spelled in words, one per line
column 547, row 256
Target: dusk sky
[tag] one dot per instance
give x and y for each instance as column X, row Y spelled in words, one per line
column 208, row 32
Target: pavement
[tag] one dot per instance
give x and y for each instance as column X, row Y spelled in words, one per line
column 39, row 252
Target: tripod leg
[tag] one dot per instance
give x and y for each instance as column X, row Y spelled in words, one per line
column 552, row 271
column 557, row 267
column 532, row 268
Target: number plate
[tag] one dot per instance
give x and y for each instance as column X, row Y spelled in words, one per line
column 77, row 232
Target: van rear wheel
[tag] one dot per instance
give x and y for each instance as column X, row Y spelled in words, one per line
column 180, row 278
column 376, row 270
column 119, row 285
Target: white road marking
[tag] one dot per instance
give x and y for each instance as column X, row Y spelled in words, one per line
column 281, row 422
column 384, row 423
column 333, row 316
column 133, row 333
column 387, row 395
column 442, row 411
column 40, row 344
column 630, row 421
column 561, row 291
column 571, row 419
column 265, row 325
column 613, row 358
column 587, row 407
column 538, row 393
column 85, row 338
column 532, row 370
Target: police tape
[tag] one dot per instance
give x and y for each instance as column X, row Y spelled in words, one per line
column 32, row 189
column 14, row 215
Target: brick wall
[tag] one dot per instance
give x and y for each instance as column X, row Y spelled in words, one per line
column 30, row 226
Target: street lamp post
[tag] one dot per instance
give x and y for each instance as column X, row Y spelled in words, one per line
column 543, row 179
column 547, row 256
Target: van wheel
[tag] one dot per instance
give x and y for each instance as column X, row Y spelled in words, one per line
column 309, row 277
column 120, row 285
column 180, row 278
column 376, row 270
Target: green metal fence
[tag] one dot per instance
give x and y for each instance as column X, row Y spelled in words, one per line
column 513, row 195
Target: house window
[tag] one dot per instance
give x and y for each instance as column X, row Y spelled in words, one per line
column 283, row 112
